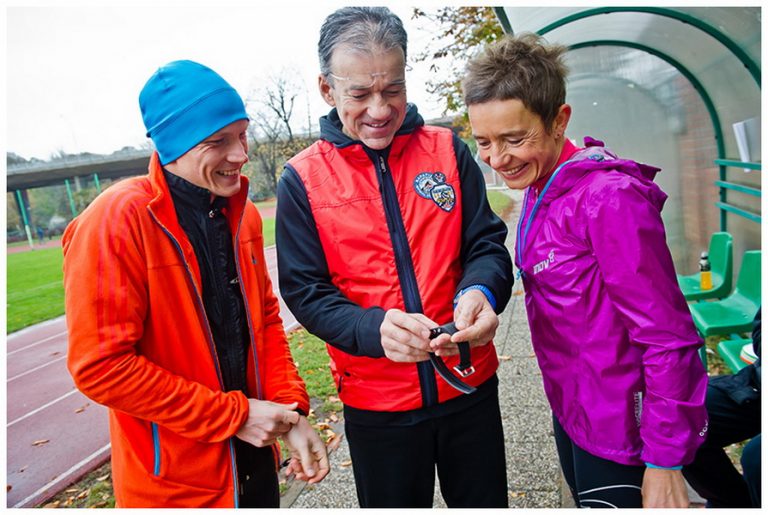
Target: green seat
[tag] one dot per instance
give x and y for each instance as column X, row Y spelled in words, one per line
column 730, row 351
column 721, row 259
column 734, row 313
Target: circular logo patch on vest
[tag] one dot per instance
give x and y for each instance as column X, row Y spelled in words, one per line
column 432, row 186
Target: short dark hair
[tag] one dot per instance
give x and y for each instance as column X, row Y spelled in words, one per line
column 361, row 28
column 521, row 67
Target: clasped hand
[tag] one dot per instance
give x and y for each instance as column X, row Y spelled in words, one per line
column 267, row 421
column 405, row 336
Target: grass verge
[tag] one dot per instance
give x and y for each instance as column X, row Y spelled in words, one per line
column 35, row 290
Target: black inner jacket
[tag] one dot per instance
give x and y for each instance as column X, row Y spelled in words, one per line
column 208, row 230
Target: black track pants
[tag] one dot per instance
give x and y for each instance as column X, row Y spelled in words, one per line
column 712, row 474
column 257, row 476
column 596, row 482
column 394, row 466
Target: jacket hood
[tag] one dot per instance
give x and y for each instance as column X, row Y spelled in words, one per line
column 595, row 158
column 331, row 128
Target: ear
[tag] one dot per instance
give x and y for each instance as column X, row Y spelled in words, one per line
column 561, row 119
column 325, row 90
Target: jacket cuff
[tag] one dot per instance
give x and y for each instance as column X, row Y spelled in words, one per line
column 652, row 466
column 368, row 333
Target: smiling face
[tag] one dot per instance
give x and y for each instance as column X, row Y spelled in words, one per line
column 368, row 91
column 514, row 141
column 215, row 162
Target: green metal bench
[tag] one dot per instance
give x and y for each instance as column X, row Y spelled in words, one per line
column 730, row 351
column 734, row 313
column 721, row 259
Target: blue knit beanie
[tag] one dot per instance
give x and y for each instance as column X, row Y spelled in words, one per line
column 185, row 102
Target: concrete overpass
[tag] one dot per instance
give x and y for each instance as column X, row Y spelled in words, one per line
column 34, row 175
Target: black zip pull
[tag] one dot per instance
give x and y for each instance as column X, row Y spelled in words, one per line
column 382, row 164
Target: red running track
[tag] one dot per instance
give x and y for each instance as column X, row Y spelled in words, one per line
column 55, row 434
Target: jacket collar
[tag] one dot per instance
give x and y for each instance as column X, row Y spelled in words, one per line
column 188, row 194
column 162, row 203
column 596, row 158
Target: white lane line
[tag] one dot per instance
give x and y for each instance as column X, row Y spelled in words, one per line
column 41, row 408
column 37, row 368
column 60, row 477
column 38, row 342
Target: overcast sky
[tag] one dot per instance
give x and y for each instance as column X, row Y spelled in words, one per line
column 74, row 72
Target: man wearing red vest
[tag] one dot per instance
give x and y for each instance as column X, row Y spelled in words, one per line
column 384, row 232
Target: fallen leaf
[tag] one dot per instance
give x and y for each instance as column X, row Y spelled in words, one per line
column 71, row 490
column 8, row 488
column 22, row 469
column 333, row 443
column 333, row 417
column 504, row 358
column 345, row 463
column 333, row 398
column 518, row 292
column 84, row 493
column 102, row 478
column 80, row 410
column 54, row 353
column 322, row 426
column 38, row 443
column 54, row 504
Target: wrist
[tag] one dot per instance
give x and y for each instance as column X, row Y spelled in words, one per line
column 480, row 287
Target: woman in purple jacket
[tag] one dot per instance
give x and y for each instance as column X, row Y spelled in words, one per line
column 611, row 330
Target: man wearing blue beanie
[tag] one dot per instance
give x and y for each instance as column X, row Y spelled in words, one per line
column 173, row 323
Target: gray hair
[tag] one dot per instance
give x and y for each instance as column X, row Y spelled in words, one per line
column 361, row 28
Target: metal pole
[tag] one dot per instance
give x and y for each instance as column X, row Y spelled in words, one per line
column 71, row 198
column 25, row 219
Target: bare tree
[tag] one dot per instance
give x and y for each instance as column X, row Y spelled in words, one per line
column 271, row 109
column 279, row 96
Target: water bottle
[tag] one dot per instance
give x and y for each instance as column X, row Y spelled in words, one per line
column 705, row 272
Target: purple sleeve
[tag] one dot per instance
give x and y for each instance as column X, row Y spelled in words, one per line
column 629, row 242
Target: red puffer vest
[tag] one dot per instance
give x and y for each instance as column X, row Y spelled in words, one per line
column 349, row 195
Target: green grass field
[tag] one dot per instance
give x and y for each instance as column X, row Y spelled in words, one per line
column 268, row 229
column 35, row 288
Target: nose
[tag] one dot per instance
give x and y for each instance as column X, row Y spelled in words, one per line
column 238, row 152
column 496, row 158
column 378, row 107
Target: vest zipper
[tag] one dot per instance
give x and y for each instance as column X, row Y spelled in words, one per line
column 405, row 271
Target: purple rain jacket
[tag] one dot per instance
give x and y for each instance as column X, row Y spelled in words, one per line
column 610, row 327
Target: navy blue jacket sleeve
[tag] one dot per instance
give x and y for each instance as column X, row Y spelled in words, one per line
column 484, row 256
column 305, row 283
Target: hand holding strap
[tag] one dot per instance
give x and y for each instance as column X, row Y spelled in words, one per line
column 464, row 368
